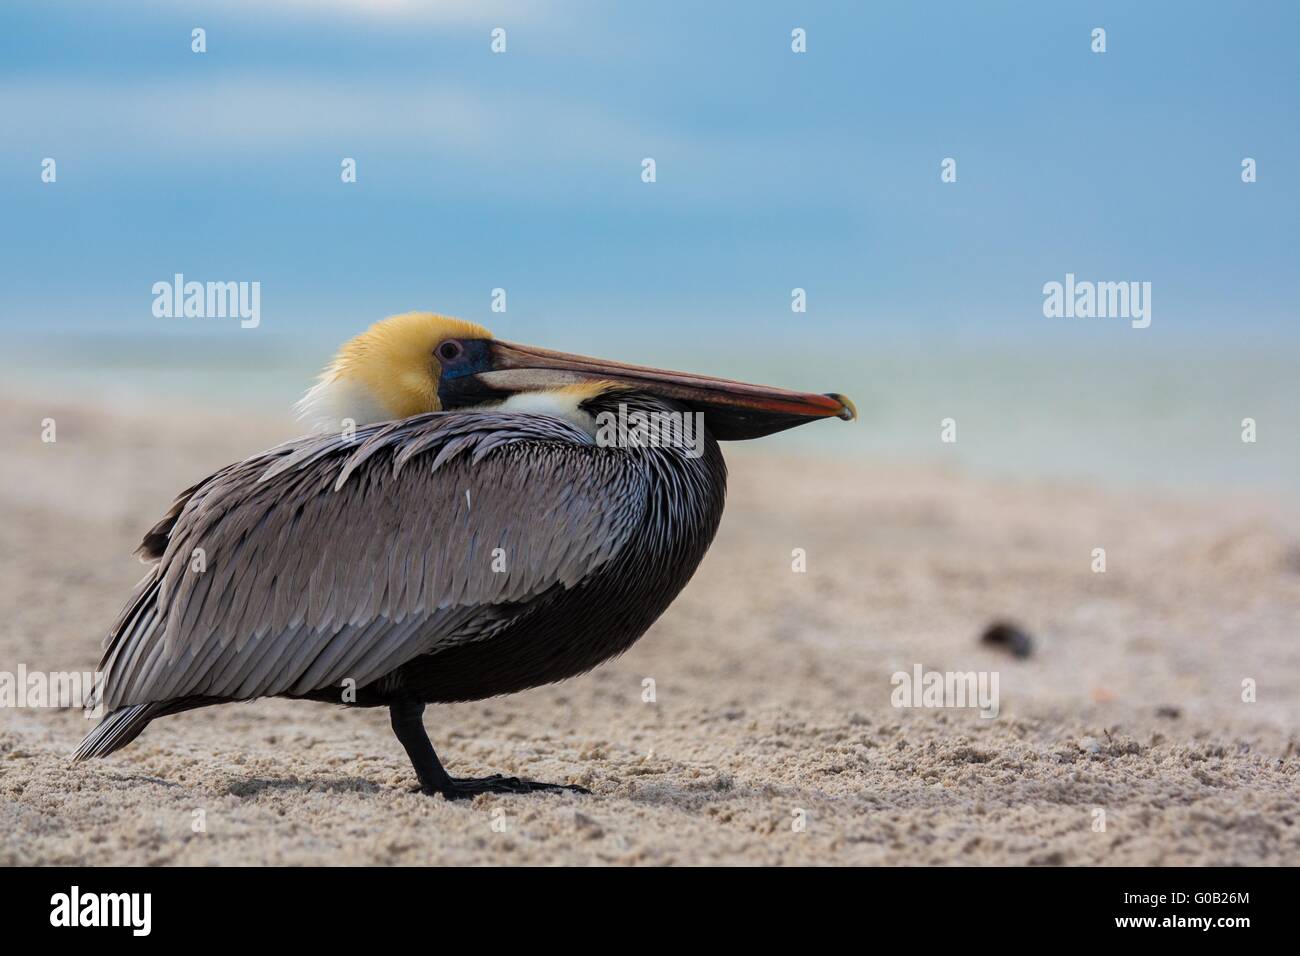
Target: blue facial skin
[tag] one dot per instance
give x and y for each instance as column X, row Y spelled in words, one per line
column 457, row 386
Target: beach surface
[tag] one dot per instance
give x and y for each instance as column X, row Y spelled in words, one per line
column 1154, row 722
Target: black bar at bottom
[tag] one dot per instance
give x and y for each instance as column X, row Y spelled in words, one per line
column 304, row 906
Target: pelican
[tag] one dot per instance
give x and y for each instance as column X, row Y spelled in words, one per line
column 469, row 517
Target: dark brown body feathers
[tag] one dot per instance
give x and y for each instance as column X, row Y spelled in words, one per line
column 361, row 571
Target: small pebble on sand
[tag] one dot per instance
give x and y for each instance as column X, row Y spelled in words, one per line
column 1009, row 637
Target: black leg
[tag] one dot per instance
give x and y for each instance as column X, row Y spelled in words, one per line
column 408, row 724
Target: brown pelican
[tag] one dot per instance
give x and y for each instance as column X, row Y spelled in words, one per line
column 472, row 518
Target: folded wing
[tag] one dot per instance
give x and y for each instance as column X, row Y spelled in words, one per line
column 327, row 559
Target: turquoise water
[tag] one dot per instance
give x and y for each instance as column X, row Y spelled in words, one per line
column 1130, row 413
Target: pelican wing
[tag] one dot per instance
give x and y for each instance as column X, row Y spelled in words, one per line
column 327, row 559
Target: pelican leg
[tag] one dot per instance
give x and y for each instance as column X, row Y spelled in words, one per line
column 408, row 724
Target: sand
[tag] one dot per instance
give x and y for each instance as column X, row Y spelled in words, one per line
column 771, row 739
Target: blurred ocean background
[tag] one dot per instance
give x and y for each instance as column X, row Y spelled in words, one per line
column 1118, row 416
column 775, row 170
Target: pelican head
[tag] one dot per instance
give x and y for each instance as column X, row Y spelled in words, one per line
column 420, row 362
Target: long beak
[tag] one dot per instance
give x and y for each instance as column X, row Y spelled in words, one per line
column 732, row 410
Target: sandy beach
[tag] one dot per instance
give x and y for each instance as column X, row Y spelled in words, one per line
column 771, row 738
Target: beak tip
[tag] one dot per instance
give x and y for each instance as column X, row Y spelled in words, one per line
column 848, row 411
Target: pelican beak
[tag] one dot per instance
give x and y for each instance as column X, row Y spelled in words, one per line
column 732, row 411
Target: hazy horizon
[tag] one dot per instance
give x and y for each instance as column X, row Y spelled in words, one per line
column 1169, row 417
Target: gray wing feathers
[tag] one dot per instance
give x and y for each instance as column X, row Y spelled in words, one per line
column 328, row 559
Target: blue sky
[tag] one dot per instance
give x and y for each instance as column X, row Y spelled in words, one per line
column 775, row 170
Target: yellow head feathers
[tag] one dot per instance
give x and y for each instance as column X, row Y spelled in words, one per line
column 386, row 372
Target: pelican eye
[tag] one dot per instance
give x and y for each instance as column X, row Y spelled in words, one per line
column 450, row 350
